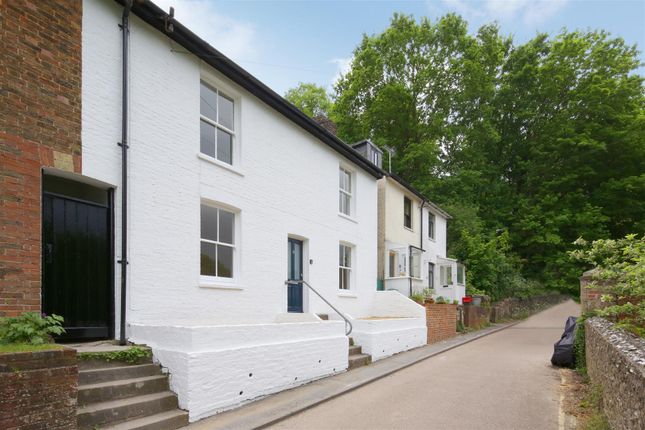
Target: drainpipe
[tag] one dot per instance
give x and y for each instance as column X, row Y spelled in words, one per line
column 125, row 28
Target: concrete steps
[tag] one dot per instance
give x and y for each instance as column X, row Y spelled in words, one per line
column 118, row 395
column 356, row 356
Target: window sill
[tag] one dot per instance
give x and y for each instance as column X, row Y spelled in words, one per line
column 219, row 285
column 348, row 294
column 432, row 239
column 221, row 164
column 347, row 217
column 408, row 228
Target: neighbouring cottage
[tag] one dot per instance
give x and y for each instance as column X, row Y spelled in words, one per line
column 412, row 238
column 199, row 193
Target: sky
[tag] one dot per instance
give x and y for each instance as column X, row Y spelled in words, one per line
column 284, row 42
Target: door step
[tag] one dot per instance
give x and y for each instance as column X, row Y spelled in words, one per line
column 126, row 396
column 356, row 356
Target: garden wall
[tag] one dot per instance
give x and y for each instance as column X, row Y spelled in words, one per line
column 38, row 390
column 616, row 362
column 590, row 297
column 475, row 316
column 441, row 320
column 517, row 307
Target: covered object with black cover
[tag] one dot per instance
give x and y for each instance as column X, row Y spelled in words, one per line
column 563, row 349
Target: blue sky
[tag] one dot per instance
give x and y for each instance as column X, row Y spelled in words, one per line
column 286, row 42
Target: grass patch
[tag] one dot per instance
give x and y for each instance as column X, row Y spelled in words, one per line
column 593, row 403
column 132, row 355
column 8, row 348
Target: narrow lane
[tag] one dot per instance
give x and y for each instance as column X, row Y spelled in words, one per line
column 503, row 381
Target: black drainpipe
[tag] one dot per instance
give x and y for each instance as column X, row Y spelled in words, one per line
column 125, row 28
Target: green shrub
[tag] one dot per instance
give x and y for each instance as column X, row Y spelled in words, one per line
column 580, row 358
column 30, row 328
column 418, row 297
column 440, row 300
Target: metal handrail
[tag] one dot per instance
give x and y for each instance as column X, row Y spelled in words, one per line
column 348, row 323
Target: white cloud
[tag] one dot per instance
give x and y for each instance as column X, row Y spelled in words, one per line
column 529, row 12
column 234, row 38
column 343, row 66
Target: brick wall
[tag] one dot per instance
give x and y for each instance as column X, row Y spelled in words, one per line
column 441, row 320
column 616, row 362
column 40, row 125
column 590, row 297
column 38, row 390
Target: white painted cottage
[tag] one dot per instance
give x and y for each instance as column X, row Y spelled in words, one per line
column 231, row 191
column 412, row 239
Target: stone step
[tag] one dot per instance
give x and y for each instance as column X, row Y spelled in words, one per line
column 93, row 364
column 115, row 411
column 170, row 420
column 355, row 349
column 121, row 389
column 96, row 376
column 359, row 360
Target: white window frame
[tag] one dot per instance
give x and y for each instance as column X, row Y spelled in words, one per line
column 349, row 269
column 401, row 259
column 431, row 231
column 413, row 253
column 209, row 79
column 445, row 275
column 215, row 281
column 461, row 269
column 344, row 192
column 408, row 199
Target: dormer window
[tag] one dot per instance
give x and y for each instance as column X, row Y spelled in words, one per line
column 217, row 130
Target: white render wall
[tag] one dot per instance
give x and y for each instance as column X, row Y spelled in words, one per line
column 286, row 185
column 214, row 368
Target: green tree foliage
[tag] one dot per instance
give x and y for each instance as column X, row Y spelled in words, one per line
column 312, row 99
column 620, row 270
column 542, row 140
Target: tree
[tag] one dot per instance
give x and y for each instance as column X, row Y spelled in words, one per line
column 312, row 99
column 542, row 140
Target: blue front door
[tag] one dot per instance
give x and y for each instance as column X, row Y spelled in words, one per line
column 294, row 291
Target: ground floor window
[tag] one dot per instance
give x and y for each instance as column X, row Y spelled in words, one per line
column 217, row 242
column 397, row 263
column 430, row 275
column 461, row 274
column 344, row 266
column 445, row 275
column 415, row 262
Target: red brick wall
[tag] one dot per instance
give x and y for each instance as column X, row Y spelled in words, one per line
column 38, row 390
column 441, row 321
column 40, row 126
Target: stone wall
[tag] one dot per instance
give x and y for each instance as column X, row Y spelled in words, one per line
column 40, row 126
column 475, row 316
column 616, row 361
column 38, row 390
column 441, row 321
column 518, row 307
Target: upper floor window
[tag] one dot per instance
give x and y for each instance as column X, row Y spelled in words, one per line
column 217, row 129
column 407, row 212
column 345, row 192
column 344, row 266
column 217, row 242
column 431, row 225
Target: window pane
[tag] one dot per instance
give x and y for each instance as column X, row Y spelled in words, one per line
column 224, row 146
column 344, row 203
column 430, row 275
column 208, row 258
column 209, row 222
column 206, row 138
column 224, row 261
column 343, row 279
column 208, row 102
column 449, row 275
column 393, row 263
column 225, row 106
column 226, row 226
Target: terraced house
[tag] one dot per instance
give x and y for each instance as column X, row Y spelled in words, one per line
column 157, row 193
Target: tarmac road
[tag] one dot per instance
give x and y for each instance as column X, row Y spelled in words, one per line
column 504, row 381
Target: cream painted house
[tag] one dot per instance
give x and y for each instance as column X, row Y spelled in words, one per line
column 412, row 237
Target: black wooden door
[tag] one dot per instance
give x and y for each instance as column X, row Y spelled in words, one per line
column 76, row 266
column 294, row 291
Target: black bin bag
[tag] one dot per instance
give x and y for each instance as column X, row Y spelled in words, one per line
column 563, row 349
